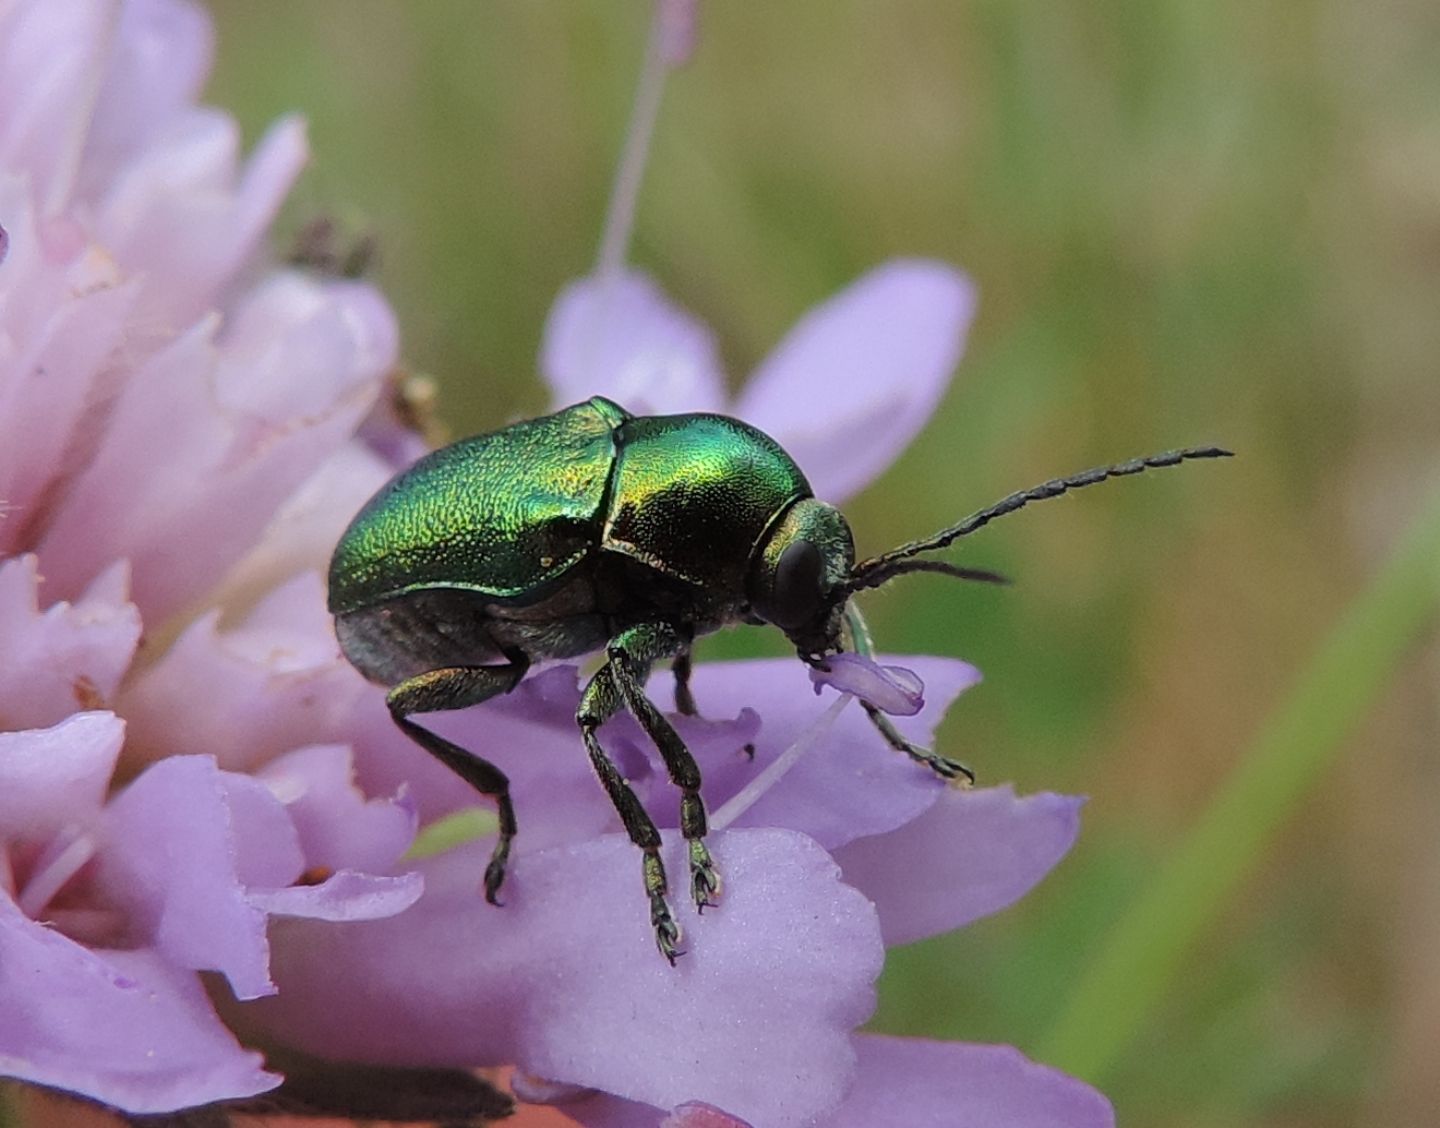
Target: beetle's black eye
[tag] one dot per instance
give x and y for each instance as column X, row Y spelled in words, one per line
column 796, row 599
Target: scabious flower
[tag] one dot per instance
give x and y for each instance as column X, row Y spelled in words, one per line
column 223, row 794
column 157, row 410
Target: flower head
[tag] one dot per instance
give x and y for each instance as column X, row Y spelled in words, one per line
column 157, row 416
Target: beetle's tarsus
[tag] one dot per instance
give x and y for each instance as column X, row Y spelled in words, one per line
column 952, row 771
column 667, row 932
column 662, row 920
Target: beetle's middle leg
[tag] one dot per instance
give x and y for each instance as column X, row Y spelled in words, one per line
column 457, row 687
column 619, row 683
column 628, row 657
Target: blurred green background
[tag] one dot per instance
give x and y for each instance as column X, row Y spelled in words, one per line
column 1190, row 222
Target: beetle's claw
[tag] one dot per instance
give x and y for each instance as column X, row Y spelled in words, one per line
column 494, row 878
column 704, row 877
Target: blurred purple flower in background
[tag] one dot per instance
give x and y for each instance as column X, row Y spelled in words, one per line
column 177, row 455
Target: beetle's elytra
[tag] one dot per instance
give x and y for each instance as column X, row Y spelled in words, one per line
column 592, row 528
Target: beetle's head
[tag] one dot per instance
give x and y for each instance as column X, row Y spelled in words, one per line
column 798, row 576
column 805, row 572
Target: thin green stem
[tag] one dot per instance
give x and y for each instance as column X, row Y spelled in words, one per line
column 1147, row 947
column 8, row 1117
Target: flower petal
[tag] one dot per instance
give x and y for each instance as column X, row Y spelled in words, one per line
column 57, row 776
column 620, row 336
column 183, row 219
column 858, row 377
column 180, row 845
column 344, row 896
column 211, row 414
column 48, row 53
column 304, row 531
column 159, row 57
column 338, row 826
column 852, row 784
column 68, row 657
column 270, row 683
column 565, row 980
column 892, row 689
column 124, row 1028
column 982, row 851
column 954, row 1085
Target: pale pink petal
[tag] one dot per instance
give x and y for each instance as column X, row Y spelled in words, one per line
column 160, row 56
column 62, row 369
column 51, row 55
column 68, row 657
column 953, row 1085
column 620, row 336
column 125, row 1028
column 270, row 683
column 565, row 981
column 232, row 454
column 679, row 30
column 981, row 850
column 183, row 217
column 303, row 533
column 858, row 376
column 51, row 778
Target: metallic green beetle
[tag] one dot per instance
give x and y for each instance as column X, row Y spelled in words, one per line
column 594, row 529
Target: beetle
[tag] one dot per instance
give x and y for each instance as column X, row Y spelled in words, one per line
column 593, row 529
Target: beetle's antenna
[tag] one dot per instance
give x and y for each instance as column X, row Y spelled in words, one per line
column 885, row 567
column 899, row 567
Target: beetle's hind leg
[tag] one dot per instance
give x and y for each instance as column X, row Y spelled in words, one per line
column 457, row 687
column 946, row 769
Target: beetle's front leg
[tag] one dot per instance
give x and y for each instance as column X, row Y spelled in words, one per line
column 947, row 769
column 457, row 688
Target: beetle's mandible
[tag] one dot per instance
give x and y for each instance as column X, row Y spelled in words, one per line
column 595, row 529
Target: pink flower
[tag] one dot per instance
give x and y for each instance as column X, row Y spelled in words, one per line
column 157, row 416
